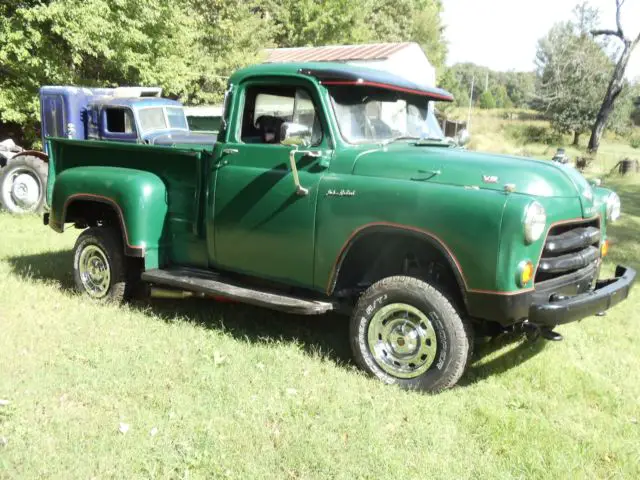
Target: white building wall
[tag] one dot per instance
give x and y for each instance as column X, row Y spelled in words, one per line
column 410, row 63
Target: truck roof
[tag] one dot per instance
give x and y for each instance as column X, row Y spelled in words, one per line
column 333, row 73
column 137, row 101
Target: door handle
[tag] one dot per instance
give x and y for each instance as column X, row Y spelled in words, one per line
column 222, row 162
column 424, row 175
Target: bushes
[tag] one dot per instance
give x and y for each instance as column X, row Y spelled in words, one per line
column 486, row 100
column 635, row 142
column 535, row 134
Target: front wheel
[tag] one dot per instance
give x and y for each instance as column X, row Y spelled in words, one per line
column 100, row 269
column 405, row 331
column 23, row 184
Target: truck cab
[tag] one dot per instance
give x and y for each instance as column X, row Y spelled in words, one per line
column 123, row 114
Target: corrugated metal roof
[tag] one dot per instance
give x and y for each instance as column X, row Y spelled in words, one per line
column 334, row 53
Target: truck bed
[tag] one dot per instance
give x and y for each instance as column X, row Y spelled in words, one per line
column 181, row 170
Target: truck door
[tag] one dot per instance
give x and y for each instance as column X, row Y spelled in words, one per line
column 261, row 225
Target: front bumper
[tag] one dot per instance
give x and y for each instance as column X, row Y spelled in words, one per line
column 606, row 294
column 560, row 300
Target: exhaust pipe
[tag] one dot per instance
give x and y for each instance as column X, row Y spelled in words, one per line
column 173, row 294
column 169, row 293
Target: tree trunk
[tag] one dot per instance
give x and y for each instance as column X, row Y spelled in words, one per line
column 576, row 138
column 614, row 89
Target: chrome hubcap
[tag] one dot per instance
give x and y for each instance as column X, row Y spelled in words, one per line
column 23, row 190
column 402, row 340
column 95, row 273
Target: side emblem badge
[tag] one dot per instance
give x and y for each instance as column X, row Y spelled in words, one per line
column 341, row 193
column 489, row 179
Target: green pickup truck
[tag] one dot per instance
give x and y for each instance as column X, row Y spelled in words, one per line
column 332, row 188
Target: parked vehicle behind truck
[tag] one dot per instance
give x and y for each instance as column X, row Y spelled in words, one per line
column 332, row 188
column 123, row 114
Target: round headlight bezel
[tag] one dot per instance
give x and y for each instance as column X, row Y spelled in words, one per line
column 535, row 222
column 613, row 207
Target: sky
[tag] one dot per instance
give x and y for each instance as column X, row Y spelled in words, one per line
column 503, row 34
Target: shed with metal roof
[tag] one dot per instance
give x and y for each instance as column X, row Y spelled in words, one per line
column 406, row 59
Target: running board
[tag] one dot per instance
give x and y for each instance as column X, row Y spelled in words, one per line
column 204, row 281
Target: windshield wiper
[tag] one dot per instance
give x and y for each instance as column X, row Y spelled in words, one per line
column 431, row 140
column 386, row 142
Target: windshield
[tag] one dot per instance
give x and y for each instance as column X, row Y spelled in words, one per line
column 177, row 118
column 367, row 114
column 155, row 118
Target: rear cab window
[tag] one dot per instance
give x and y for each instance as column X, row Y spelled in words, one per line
column 267, row 107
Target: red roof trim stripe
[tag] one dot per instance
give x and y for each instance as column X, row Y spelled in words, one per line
column 390, row 87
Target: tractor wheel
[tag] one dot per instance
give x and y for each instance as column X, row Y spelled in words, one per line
column 23, row 185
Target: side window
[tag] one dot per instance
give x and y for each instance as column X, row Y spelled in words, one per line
column 119, row 120
column 266, row 108
column 53, row 113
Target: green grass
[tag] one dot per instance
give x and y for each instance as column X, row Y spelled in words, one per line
column 240, row 392
column 492, row 132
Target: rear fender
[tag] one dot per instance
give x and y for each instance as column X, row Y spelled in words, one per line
column 32, row 153
column 139, row 199
column 7, row 159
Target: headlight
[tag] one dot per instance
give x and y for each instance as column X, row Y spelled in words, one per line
column 613, row 207
column 535, row 220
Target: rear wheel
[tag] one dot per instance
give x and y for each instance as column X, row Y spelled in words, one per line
column 100, row 269
column 405, row 331
column 23, row 184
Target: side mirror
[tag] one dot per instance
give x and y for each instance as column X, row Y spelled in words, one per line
column 463, row 137
column 295, row 134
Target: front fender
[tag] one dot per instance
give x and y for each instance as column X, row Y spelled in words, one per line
column 138, row 197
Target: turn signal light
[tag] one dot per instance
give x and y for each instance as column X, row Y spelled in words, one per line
column 526, row 273
column 604, row 248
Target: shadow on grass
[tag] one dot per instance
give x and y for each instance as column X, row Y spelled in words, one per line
column 325, row 336
column 50, row 266
column 521, row 351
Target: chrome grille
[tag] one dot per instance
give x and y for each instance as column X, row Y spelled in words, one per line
column 569, row 248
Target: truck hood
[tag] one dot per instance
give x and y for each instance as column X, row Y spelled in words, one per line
column 454, row 166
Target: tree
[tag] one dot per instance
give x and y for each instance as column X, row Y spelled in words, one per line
column 188, row 47
column 454, row 85
column 520, row 86
column 128, row 42
column 572, row 71
column 486, row 100
column 616, row 83
column 301, row 23
column 501, row 96
column 621, row 120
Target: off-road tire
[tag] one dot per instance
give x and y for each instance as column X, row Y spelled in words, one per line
column 453, row 332
column 123, row 275
column 34, row 166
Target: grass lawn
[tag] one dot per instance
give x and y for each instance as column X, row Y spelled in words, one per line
column 221, row 390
